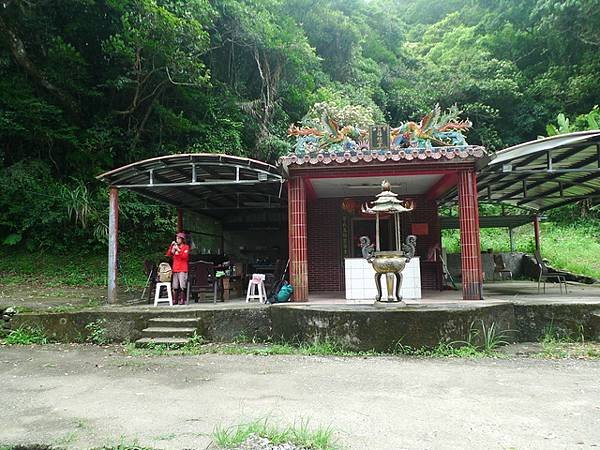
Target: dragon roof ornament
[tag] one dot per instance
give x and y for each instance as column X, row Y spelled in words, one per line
column 436, row 129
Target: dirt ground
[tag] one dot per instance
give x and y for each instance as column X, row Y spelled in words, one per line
column 79, row 396
column 30, row 297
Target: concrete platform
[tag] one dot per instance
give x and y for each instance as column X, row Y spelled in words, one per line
column 514, row 308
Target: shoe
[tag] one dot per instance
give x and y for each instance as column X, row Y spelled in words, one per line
column 175, row 297
column 182, row 297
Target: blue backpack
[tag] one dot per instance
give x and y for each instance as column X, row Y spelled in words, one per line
column 284, row 293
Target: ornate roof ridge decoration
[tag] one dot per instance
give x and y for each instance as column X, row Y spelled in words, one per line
column 322, row 157
column 436, row 129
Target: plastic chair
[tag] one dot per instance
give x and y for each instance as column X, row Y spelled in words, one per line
column 500, row 268
column 157, row 297
column 256, row 288
column 547, row 274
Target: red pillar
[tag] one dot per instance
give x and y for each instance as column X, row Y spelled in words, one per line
column 113, row 243
column 297, row 238
column 470, row 248
column 179, row 220
column 536, row 231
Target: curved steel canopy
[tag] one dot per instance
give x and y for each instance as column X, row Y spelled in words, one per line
column 542, row 174
column 210, row 183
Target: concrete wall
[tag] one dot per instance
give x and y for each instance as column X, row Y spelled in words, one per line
column 387, row 327
column 374, row 328
column 219, row 325
column 512, row 261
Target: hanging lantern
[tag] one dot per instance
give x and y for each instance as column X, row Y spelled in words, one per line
column 349, row 206
column 409, row 204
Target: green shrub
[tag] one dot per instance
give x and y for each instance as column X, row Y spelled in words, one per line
column 97, row 332
column 26, row 336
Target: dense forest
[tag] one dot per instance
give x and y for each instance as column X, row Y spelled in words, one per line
column 89, row 85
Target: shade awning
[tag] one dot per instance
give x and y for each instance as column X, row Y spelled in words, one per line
column 543, row 174
column 206, row 183
column 452, row 223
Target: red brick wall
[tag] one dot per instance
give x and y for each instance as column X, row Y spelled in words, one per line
column 425, row 211
column 325, row 266
column 325, row 262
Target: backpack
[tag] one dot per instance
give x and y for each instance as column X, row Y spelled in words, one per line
column 164, row 272
column 284, row 293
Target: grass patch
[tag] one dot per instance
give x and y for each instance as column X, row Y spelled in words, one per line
column 573, row 247
column 26, row 336
column 301, row 435
column 558, row 343
column 197, row 346
column 482, row 341
column 577, row 350
column 60, row 270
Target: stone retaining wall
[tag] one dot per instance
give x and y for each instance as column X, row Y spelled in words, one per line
column 6, row 315
column 382, row 329
column 368, row 328
column 121, row 326
column 574, row 320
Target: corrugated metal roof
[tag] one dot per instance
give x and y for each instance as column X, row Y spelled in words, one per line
column 543, row 174
column 208, row 183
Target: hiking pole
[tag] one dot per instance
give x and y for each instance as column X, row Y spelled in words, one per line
column 146, row 286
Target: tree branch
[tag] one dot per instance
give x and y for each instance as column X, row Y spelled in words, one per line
column 19, row 53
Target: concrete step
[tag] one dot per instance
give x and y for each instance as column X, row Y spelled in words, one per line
column 171, row 342
column 180, row 322
column 154, row 331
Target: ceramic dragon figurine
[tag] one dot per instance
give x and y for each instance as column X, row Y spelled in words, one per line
column 436, row 128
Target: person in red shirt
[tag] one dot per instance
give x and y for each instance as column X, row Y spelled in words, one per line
column 180, row 252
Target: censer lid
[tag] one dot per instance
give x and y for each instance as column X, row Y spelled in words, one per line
column 386, row 202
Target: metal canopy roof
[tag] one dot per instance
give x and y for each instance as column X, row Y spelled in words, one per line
column 214, row 184
column 543, row 174
column 488, row 221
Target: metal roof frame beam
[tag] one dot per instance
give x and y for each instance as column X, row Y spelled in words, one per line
column 553, row 176
column 527, row 161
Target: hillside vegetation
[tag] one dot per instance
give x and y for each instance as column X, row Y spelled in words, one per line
column 90, row 85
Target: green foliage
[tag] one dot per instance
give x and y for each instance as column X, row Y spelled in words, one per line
column 103, row 84
column 55, row 270
column 481, row 341
column 97, row 332
column 26, row 336
column 568, row 244
column 558, row 342
column 300, row 435
column 582, row 122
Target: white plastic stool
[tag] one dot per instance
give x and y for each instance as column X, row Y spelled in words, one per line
column 256, row 288
column 158, row 299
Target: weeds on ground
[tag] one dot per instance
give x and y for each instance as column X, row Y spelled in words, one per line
column 91, row 303
column 300, row 435
column 481, row 342
column 97, row 332
column 124, row 444
column 560, row 343
column 26, row 336
column 124, row 447
column 58, row 270
column 197, row 346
